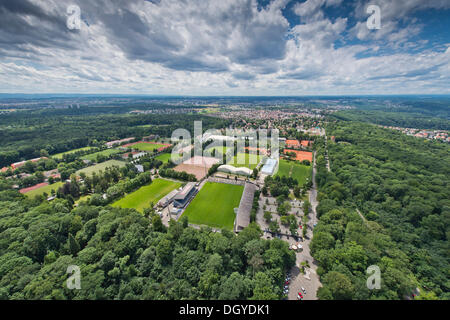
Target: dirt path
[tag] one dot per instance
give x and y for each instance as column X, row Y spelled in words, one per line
column 290, row 170
column 363, row 218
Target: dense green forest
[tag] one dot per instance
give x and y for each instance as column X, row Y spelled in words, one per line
column 123, row 254
column 25, row 134
column 395, row 119
column 400, row 184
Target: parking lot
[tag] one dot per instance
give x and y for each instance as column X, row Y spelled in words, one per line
column 303, row 279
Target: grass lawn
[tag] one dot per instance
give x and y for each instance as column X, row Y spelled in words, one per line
column 284, row 168
column 101, row 166
column 301, row 173
column 60, row 155
column 221, row 149
column 106, row 153
column 295, row 170
column 149, row 147
column 48, row 189
column 165, row 157
column 83, row 198
column 142, row 198
column 251, row 160
column 214, row 205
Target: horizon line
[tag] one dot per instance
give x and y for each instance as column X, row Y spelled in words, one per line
column 230, row 96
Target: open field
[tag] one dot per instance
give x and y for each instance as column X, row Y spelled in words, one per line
column 214, row 205
column 295, row 170
column 60, row 155
column 147, row 146
column 245, row 160
column 221, row 149
column 143, row 146
column 101, row 166
column 198, row 166
column 262, row 151
column 284, row 168
column 106, row 153
column 151, row 193
column 47, row 189
column 198, row 171
column 301, row 173
column 166, row 157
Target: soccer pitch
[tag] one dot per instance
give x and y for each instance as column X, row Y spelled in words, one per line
column 101, row 166
column 166, row 157
column 149, row 147
column 214, row 205
column 48, row 189
column 143, row 197
column 106, row 153
column 250, row 160
column 222, row 150
column 295, row 170
column 60, row 155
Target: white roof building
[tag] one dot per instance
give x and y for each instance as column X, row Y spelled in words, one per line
column 233, row 170
column 214, row 137
column 269, row 167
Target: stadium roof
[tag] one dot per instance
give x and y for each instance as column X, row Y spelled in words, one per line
column 245, row 206
column 185, row 191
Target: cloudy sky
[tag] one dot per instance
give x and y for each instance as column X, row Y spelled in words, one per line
column 224, row 47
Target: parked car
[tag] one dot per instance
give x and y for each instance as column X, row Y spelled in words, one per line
column 304, row 290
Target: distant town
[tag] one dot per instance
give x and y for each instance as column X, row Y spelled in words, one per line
column 441, row 135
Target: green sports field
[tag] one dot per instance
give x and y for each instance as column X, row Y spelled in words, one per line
column 214, row 205
column 222, row 150
column 165, row 157
column 142, row 198
column 106, row 153
column 149, row 147
column 284, row 168
column 250, row 160
column 48, row 189
column 295, row 170
column 101, row 166
column 60, row 155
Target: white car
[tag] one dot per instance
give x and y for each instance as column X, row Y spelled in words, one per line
column 304, row 290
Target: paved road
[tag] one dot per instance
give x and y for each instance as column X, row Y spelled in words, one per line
column 310, row 280
column 326, row 154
